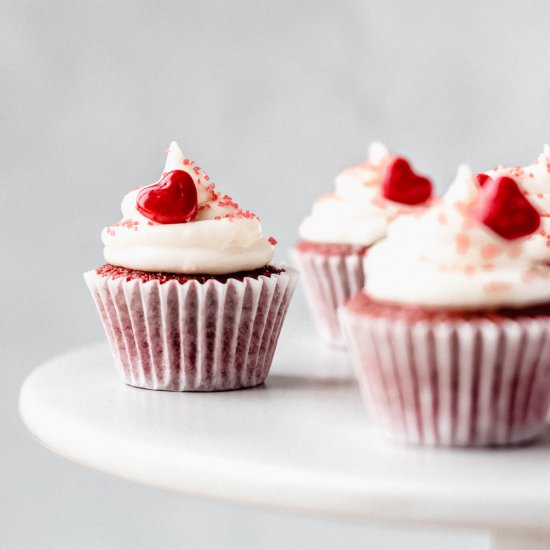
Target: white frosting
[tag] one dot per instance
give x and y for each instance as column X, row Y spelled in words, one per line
column 220, row 240
column 356, row 213
column 535, row 182
column 441, row 257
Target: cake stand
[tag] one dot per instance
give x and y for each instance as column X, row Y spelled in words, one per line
column 300, row 442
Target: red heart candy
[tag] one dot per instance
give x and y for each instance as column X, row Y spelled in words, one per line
column 402, row 185
column 482, row 179
column 172, row 200
column 503, row 208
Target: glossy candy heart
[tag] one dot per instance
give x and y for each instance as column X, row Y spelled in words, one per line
column 172, row 200
column 482, row 179
column 503, row 208
column 402, row 185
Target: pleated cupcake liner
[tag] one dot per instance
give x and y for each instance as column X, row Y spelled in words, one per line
column 329, row 282
column 479, row 383
column 193, row 337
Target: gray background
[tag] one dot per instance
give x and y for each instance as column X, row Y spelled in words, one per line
column 272, row 99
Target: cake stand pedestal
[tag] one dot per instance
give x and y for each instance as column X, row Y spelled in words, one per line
column 299, row 442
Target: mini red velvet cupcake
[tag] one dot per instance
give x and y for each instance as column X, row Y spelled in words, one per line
column 188, row 298
column 344, row 224
column 451, row 336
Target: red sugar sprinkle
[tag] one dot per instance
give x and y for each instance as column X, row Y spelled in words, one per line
column 128, row 224
column 272, row 241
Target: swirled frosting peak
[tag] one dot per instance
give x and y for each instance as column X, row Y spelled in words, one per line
column 218, row 238
column 445, row 257
column 367, row 197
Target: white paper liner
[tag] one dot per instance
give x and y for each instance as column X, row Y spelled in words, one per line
column 329, row 282
column 192, row 336
column 453, row 383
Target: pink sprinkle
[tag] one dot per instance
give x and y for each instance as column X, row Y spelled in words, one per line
column 462, row 243
column 469, row 270
column 490, row 251
column 442, row 218
column 514, row 251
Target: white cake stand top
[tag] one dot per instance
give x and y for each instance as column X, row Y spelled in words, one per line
column 301, row 441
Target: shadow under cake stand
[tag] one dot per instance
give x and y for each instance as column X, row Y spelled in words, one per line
column 300, row 442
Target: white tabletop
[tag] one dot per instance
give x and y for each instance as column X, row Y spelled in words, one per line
column 301, row 441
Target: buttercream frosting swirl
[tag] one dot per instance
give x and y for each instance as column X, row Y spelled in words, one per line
column 356, row 212
column 444, row 258
column 534, row 180
column 221, row 239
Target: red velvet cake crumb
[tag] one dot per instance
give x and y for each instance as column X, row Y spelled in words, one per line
column 361, row 303
column 331, row 249
column 116, row 272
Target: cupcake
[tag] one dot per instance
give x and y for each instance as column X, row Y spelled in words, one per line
column 450, row 337
column 534, row 180
column 342, row 227
column 189, row 298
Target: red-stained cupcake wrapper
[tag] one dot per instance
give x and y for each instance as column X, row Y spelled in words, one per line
column 192, row 336
column 329, row 282
column 459, row 383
